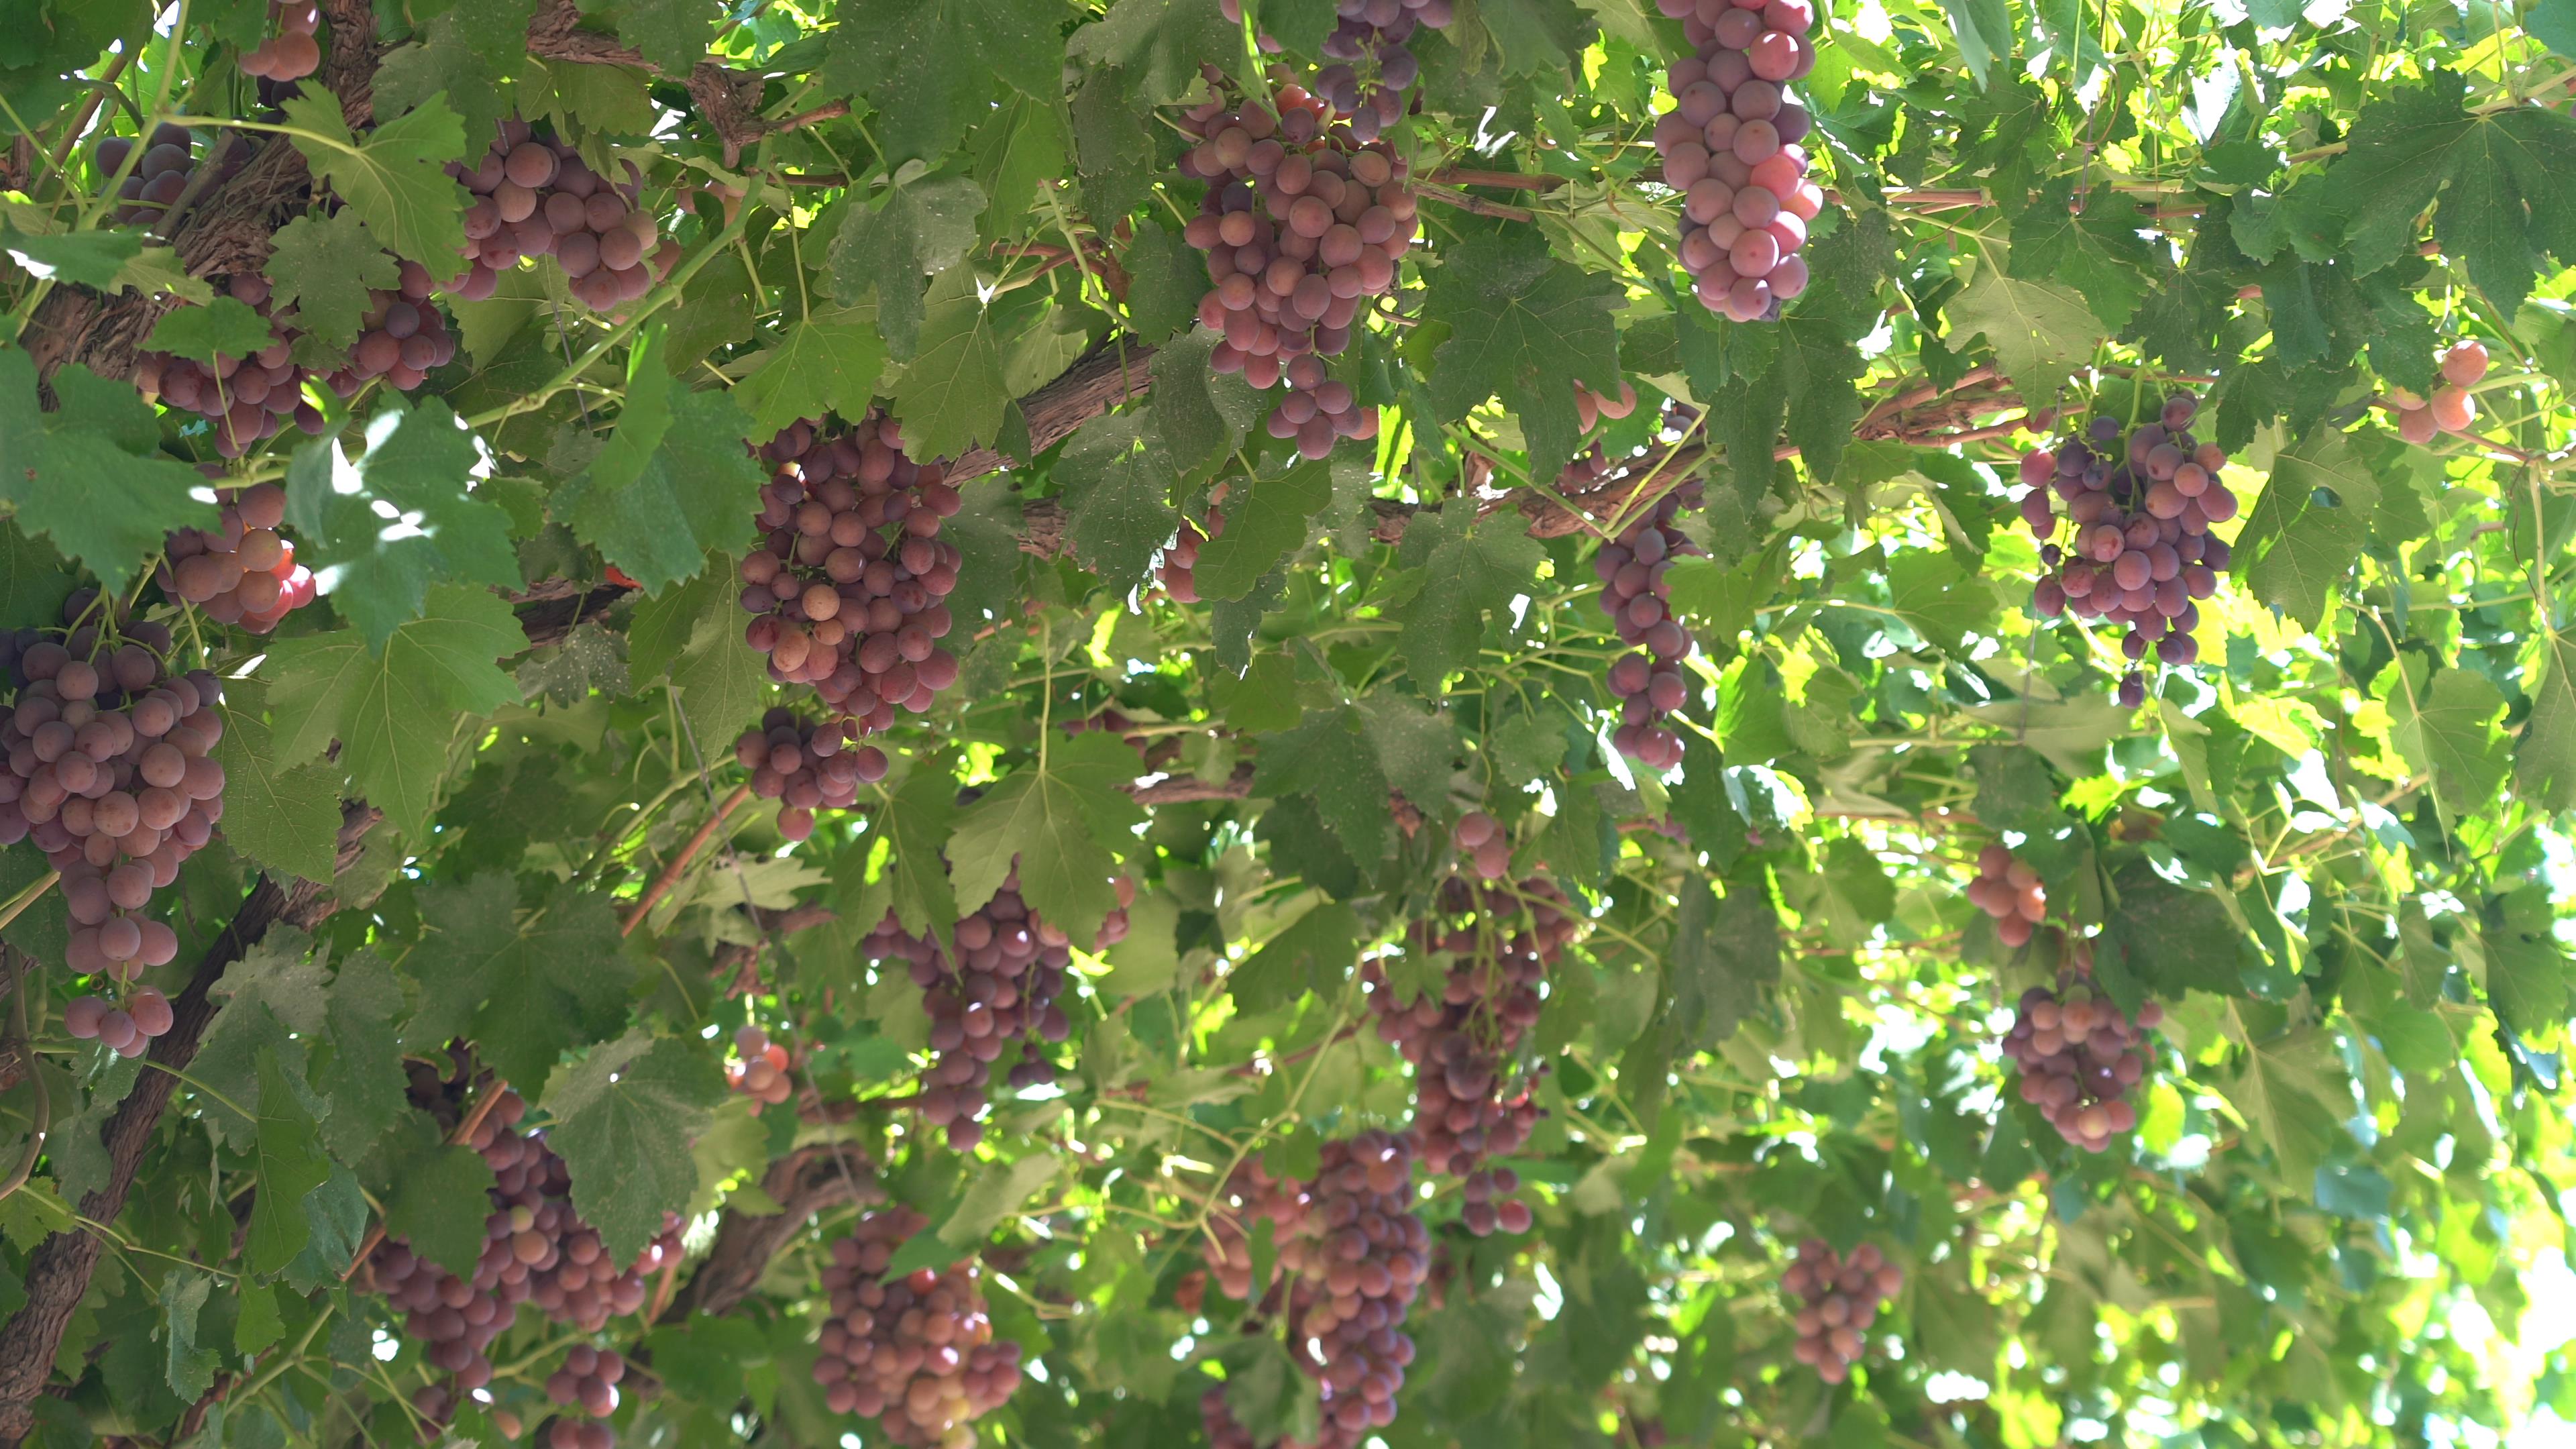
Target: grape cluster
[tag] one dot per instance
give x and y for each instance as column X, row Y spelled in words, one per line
column 1735, row 149
column 2079, row 1055
column 1838, row 1300
column 1371, row 68
column 589, row 1379
column 538, row 198
column 2453, row 409
column 805, row 766
column 1482, row 843
column 915, row 1353
column 2142, row 552
column 536, row 1249
column 292, row 53
column 1302, row 223
column 1358, row 1274
column 1251, row 1196
column 762, row 1071
column 1181, row 556
column 2009, row 891
column 243, row 572
column 1002, row 986
column 1635, row 594
column 161, row 175
column 846, row 588
column 1467, row 1111
column 110, row 775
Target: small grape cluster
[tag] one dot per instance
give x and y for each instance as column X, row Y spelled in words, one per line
column 2452, row 409
column 2079, row 1055
column 536, row 1249
column 248, row 400
column 761, row 1074
column 161, row 175
column 1302, row 222
column 1636, row 596
column 2141, row 512
column 915, row 1353
column 1001, row 987
column 1838, row 1300
column 588, row 1378
column 1466, row 1111
column 292, row 53
column 1359, row 1272
column 243, row 572
column 2009, row 891
column 1482, row 843
column 806, row 766
column 1735, row 148
column 1181, row 556
column 538, row 198
column 1591, row 407
column 845, row 591
column 1251, row 1196
column 1372, row 70
column 110, row 775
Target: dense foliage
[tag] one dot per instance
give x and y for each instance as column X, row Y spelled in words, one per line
column 1320, row 722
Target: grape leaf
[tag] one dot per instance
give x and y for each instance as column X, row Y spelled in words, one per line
column 917, row 819
column 1725, row 952
column 83, row 258
column 2014, row 789
column 1117, row 481
column 624, row 1118
column 526, row 986
column 929, row 66
column 1417, row 748
column 1051, row 819
column 1985, row 33
column 921, row 229
column 589, row 658
column 1266, row 521
column 2281, row 1090
column 1470, row 569
column 2544, row 759
column 1202, row 414
column 396, row 179
column 285, row 817
column 1313, row 954
column 288, row 1164
column 323, row 266
column 418, row 468
column 469, row 53
column 2304, row 532
column 672, row 35
column 362, row 1077
column 90, row 476
column 188, row 1366
column 1159, row 43
column 435, row 1196
column 816, row 368
column 723, row 685
column 2446, row 728
column 952, row 396
column 1165, row 280
column 34, row 581
column 1327, row 760
column 1018, row 149
column 1535, row 36
column 225, row 327
column 2039, row 330
column 673, row 482
column 1525, row 327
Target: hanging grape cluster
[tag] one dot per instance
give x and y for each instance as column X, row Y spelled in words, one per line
column 761, row 1071
column 538, row 198
column 2009, row 891
column 161, row 175
column 1001, row 987
column 1635, row 594
column 1302, row 222
column 111, row 777
column 243, row 571
column 1838, row 1300
column 1181, row 556
column 846, row 591
column 1467, row 1109
column 2079, row 1056
column 1735, row 148
column 292, row 53
column 1372, row 70
column 536, row 1249
column 806, row 766
column 588, row 1379
column 1251, row 1196
column 2142, row 553
column 2452, row 408
column 1358, row 1274
column 915, row 1353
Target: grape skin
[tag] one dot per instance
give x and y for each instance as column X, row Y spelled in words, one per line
column 244, row 571
column 292, row 53
column 1178, row 570
column 805, row 766
column 1838, row 1300
column 2079, row 1057
column 1734, row 147
column 2009, row 891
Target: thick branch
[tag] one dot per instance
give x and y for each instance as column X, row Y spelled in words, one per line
column 802, row 1183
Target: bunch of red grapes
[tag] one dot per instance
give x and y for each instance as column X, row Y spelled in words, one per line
column 292, row 53
column 1635, row 594
column 1371, row 68
column 536, row 1249
column 589, row 1379
column 538, row 198
column 1252, row 1196
column 1735, row 148
column 2079, row 1056
column 247, row 399
column 1001, row 987
column 2009, row 891
column 1302, row 223
column 2453, row 409
column 1358, row 1274
column 846, row 589
column 761, row 1073
column 806, row 766
column 161, row 175
column 915, row 1353
column 1838, row 1300
column 110, row 775
column 243, row 572
column 2141, row 512
column 1467, row 1109
column 1181, row 556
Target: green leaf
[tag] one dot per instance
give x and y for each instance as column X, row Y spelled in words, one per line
column 1725, row 953
column 469, row 54
column 362, row 1077
column 2171, row 940
column 590, row 659
column 624, row 1118
column 952, row 395
column 223, row 327
column 672, row 35
column 323, row 266
column 2014, row 789
column 1327, row 761
column 435, row 1198
column 1525, row 327
column 285, row 817
column 2281, row 1090
column 526, row 986
column 816, row 368
column 1471, row 570
column 2307, row 528
column 90, row 476
column 2039, row 331
column 1051, row 819
column 674, row 481
column 34, row 581
column 2553, row 24
column 2544, row 759
column 396, row 180
column 1161, row 43
column 2527, row 969
column 918, row 819
column 188, row 1366
column 1265, row 522
column 1939, row 597
column 2446, row 728
column 82, row 258
column 1313, row 954
column 1117, row 482
column 289, row 1164
column 921, row 229
column 1985, row 32
column 929, row 66
column 1535, row 36
column 722, row 683
column 418, row 467
column 1202, row 414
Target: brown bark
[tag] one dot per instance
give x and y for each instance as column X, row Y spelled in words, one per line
column 803, row 1183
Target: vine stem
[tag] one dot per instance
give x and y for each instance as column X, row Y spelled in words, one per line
column 34, row 892
column 679, row 863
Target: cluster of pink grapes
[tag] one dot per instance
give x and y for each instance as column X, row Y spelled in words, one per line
column 2009, row 891
column 1302, row 223
column 536, row 1249
column 1838, row 1300
column 2142, row 553
column 1637, row 597
column 1252, row 1196
column 243, row 572
column 806, row 766
column 110, row 776
column 846, row 591
column 161, row 175
column 246, row 399
column 761, row 1074
column 1468, row 1108
column 1735, row 148
column 538, row 198
column 1371, row 69
column 292, row 53
column 2079, row 1056
column 588, row 1380
column 915, row 1353
column 2452, row 408
column 1181, row 556
column 1000, row 987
